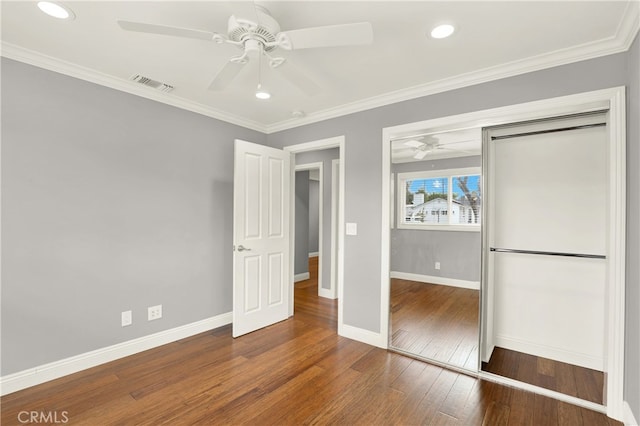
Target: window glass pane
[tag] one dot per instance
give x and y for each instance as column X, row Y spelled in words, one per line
column 426, row 201
column 467, row 200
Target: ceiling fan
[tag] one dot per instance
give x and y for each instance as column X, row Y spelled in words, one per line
column 425, row 145
column 256, row 33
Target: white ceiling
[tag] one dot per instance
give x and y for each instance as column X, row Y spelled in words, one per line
column 458, row 143
column 493, row 40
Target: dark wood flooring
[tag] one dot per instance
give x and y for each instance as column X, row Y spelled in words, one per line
column 435, row 321
column 295, row 372
column 569, row 379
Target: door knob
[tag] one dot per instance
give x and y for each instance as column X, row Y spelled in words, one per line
column 243, row 248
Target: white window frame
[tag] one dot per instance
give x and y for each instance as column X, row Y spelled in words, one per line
column 448, row 174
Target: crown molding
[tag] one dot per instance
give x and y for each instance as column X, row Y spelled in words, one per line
column 37, row 59
column 630, row 24
column 620, row 42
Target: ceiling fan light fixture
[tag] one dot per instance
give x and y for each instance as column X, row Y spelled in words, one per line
column 262, row 93
column 442, row 31
column 56, row 10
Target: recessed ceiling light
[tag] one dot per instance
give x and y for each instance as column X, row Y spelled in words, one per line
column 442, row 31
column 56, row 10
column 261, row 93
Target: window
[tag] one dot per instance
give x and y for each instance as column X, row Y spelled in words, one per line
column 445, row 199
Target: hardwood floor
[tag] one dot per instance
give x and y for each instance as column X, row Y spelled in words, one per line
column 569, row 379
column 295, row 372
column 310, row 308
column 436, row 321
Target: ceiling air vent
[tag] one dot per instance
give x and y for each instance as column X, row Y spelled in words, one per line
column 158, row 85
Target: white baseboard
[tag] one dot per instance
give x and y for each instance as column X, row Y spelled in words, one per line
column 362, row 335
column 558, row 354
column 487, row 355
column 326, row 293
column 629, row 418
column 44, row 373
column 301, row 277
column 452, row 282
column 314, row 254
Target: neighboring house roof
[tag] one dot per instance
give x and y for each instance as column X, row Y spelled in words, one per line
column 434, row 201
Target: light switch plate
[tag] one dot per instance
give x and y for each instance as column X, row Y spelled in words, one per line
column 126, row 318
column 352, row 228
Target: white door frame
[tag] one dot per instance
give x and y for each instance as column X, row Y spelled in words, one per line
column 314, row 166
column 334, row 142
column 612, row 99
column 335, row 235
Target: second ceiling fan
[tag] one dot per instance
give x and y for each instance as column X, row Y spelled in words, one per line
column 424, row 145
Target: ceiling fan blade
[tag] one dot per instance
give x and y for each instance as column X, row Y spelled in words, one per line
column 463, row 151
column 166, row 30
column 420, row 155
column 331, row 35
column 226, row 75
column 457, row 142
column 414, row 143
column 298, row 78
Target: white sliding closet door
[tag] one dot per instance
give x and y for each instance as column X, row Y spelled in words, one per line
column 547, row 191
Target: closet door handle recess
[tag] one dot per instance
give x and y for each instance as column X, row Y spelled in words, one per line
column 548, row 253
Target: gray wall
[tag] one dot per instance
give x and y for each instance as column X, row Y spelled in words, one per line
column 301, row 242
column 325, row 156
column 113, row 202
column 314, row 215
column 632, row 341
column 416, row 251
column 363, row 157
column 110, row 202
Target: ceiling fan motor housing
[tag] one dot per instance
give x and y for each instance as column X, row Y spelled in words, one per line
column 252, row 32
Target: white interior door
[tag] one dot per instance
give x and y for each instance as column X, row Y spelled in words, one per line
column 261, row 237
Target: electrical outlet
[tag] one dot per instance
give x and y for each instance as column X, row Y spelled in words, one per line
column 438, row 266
column 154, row 312
column 126, row 318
